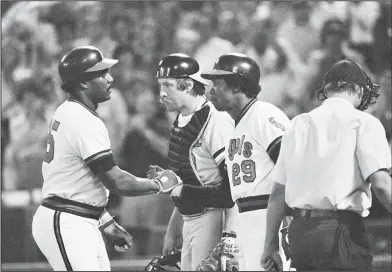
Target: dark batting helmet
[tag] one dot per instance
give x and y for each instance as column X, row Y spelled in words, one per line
column 347, row 71
column 179, row 66
column 235, row 64
column 82, row 60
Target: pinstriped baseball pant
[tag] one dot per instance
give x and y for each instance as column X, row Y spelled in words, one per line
column 69, row 242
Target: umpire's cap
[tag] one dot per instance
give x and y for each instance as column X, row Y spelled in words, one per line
column 82, row 60
column 179, row 66
column 235, row 64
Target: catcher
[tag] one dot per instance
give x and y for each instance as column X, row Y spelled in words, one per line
column 196, row 155
column 336, row 153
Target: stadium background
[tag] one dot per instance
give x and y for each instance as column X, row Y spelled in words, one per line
column 294, row 44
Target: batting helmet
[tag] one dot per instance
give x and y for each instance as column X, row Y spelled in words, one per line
column 82, row 60
column 179, row 66
column 159, row 263
column 235, row 64
column 347, row 71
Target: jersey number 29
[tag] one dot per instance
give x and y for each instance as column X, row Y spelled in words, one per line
column 49, row 154
column 247, row 168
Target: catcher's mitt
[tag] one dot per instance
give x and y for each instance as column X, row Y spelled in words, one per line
column 167, row 181
column 169, row 262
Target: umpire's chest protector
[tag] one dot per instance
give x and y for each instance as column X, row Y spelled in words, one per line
column 181, row 141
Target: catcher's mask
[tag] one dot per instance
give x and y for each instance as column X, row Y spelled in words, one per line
column 169, row 262
column 347, row 71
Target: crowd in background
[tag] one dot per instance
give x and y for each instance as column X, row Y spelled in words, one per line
column 294, row 43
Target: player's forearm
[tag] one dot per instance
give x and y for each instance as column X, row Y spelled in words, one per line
column 214, row 196
column 384, row 196
column 381, row 184
column 131, row 185
column 124, row 183
column 275, row 214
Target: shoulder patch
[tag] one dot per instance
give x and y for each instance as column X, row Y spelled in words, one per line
column 276, row 124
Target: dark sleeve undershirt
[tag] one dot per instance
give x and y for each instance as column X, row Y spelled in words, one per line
column 102, row 164
column 210, row 195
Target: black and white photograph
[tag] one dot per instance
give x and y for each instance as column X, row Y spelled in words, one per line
column 196, row 135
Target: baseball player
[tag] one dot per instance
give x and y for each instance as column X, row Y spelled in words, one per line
column 196, row 155
column 252, row 150
column 329, row 160
column 79, row 170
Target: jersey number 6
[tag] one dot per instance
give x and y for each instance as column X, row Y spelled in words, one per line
column 49, row 154
column 247, row 168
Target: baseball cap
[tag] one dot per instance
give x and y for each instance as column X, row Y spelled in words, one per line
column 346, row 71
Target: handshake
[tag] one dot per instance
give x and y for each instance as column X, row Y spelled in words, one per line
column 166, row 179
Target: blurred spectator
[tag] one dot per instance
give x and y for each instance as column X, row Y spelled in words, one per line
column 114, row 113
column 186, row 41
column 382, row 32
column 333, row 36
column 127, row 69
column 148, row 130
column 362, row 18
column 229, row 27
column 63, row 18
column 25, row 152
column 93, row 29
column 383, row 108
column 147, row 42
column 146, row 143
column 211, row 46
column 325, row 10
column 122, row 26
column 297, row 27
column 168, row 16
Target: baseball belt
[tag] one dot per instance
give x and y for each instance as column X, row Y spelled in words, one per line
column 252, row 203
column 69, row 206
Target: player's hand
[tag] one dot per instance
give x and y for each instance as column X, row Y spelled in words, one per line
column 154, row 171
column 167, row 181
column 271, row 261
column 121, row 239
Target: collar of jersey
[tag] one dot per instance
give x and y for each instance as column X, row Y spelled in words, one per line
column 87, row 108
column 245, row 110
column 334, row 100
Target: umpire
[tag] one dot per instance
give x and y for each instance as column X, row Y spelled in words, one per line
column 329, row 160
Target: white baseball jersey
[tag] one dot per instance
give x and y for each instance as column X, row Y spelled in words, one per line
column 331, row 151
column 77, row 137
column 208, row 150
column 77, row 144
column 258, row 128
column 202, row 232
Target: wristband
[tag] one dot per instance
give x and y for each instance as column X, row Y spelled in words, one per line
column 105, row 220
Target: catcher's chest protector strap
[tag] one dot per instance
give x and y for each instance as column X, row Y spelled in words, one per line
column 181, row 140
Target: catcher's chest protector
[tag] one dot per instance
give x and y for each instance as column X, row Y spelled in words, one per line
column 181, row 140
